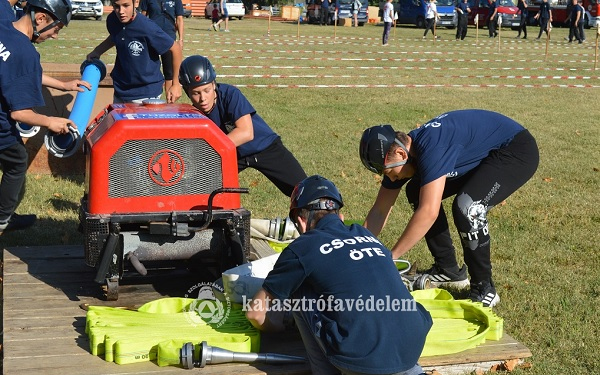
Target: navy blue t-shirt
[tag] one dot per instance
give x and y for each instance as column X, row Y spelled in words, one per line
column 492, row 8
column 351, row 264
column 164, row 13
column 7, row 13
column 545, row 10
column 20, row 80
column 139, row 44
column 522, row 8
column 231, row 105
column 463, row 6
column 455, row 142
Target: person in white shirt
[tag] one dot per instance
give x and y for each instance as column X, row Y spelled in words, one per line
column 431, row 16
column 388, row 19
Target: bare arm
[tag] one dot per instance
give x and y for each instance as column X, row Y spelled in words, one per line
column 74, row 85
column 379, row 213
column 175, row 91
column 243, row 132
column 56, row 124
column 430, row 199
column 180, row 30
column 259, row 316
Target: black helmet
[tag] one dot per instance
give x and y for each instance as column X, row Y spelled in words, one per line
column 374, row 146
column 61, row 10
column 309, row 192
column 196, row 71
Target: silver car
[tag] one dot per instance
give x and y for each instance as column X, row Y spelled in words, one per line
column 87, row 8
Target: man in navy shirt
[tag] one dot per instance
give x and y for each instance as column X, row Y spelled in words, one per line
column 478, row 156
column 20, row 92
column 258, row 146
column 544, row 15
column 463, row 11
column 492, row 18
column 168, row 14
column 139, row 43
column 324, row 12
column 351, row 307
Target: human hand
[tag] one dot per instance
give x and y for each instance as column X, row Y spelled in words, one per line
column 77, row 85
column 92, row 55
column 174, row 93
column 59, row 125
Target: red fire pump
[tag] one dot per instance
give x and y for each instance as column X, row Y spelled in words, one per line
column 161, row 192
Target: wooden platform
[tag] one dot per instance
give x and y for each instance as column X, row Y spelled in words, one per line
column 44, row 324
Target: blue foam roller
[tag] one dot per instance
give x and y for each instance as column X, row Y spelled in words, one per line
column 66, row 145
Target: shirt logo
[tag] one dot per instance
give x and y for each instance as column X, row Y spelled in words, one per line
column 136, row 48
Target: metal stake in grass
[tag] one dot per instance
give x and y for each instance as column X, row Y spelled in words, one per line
column 548, row 29
column 269, row 25
column 476, row 22
column 335, row 19
column 499, row 30
column 596, row 49
column 394, row 23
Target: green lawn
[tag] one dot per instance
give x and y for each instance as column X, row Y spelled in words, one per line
column 546, row 237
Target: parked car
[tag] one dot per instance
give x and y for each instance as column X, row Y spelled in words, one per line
column 87, row 8
column 506, row 8
column 235, row 8
column 187, row 10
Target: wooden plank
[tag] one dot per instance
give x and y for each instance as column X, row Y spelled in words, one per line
column 503, row 349
column 44, row 323
column 47, row 252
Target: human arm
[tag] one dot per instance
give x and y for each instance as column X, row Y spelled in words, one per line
column 179, row 25
column 243, row 131
column 74, row 85
column 55, row 124
column 259, row 316
column 430, row 199
column 379, row 213
column 175, row 91
column 101, row 48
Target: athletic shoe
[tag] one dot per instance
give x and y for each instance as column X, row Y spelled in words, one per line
column 17, row 222
column 441, row 277
column 214, row 26
column 484, row 292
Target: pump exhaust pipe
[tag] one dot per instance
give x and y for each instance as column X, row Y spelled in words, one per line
column 65, row 145
column 210, row 355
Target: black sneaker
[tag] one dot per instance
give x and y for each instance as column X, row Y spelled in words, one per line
column 17, row 222
column 484, row 292
column 441, row 277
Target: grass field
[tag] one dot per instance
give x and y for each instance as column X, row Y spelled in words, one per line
column 319, row 93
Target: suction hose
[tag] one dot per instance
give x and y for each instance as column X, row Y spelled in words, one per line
column 65, row 145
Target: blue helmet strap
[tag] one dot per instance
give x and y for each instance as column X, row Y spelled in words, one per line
column 400, row 163
column 36, row 34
